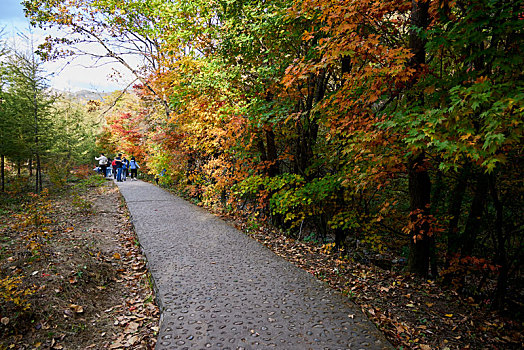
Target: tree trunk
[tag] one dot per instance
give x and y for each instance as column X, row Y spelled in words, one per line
column 38, row 177
column 421, row 243
column 501, row 257
column 261, row 149
column 30, row 166
column 454, row 210
column 340, row 233
column 473, row 224
column 273, row 170
column 2, row 165
column 346, row 66
column 39, row 169
column 419, row 194
column 271, row 153
column 419, row 21
column 309, row 126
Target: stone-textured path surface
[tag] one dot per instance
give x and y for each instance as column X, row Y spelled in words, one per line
column 219, row 289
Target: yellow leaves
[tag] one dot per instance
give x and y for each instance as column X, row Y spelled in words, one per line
column 327, row 248
column 346, row 27
column 34, row 222
column 376, row 242
column 10, row 291
column 465, row 136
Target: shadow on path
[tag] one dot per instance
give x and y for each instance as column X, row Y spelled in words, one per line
column 219, row 289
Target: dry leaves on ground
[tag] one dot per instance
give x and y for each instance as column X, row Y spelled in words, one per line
column 92, row 289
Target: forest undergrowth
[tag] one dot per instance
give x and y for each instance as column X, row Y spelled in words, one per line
column 71, row 272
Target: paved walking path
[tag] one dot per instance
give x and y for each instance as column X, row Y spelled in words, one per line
column 219, row 289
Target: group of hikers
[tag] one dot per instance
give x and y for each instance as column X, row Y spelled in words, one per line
column 119, row 168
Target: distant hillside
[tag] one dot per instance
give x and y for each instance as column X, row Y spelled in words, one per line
column 87, row 95
column 82, row 96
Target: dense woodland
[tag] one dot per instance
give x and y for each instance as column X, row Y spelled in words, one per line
column 390, row 125
column 41, row 130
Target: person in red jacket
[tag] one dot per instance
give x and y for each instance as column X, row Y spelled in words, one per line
column 118, row 165
column 113, row 165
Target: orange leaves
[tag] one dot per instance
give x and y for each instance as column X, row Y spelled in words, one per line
column 422, row 225
column 378, row 57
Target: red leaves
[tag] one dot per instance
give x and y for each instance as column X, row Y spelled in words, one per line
column 466, row 265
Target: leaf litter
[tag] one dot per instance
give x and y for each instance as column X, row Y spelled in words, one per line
column 92, row 288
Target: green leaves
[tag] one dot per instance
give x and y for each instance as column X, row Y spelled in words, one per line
column 291, row 196
column 480, row 121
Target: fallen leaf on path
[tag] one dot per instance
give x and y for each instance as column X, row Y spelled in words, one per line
column 132, row 340
column 76, row 308
column 118, row 343
column 55, row 345
column 132, row 327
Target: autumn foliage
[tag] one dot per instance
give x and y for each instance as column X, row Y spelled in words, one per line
column 394, row 125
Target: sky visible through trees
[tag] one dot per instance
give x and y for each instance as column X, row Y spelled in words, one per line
column 77, row 75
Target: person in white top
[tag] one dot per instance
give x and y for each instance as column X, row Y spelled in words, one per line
column 102, row 162
column 133, row 167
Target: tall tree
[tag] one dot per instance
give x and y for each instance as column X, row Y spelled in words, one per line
column 421, row 243
column 28, row 91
